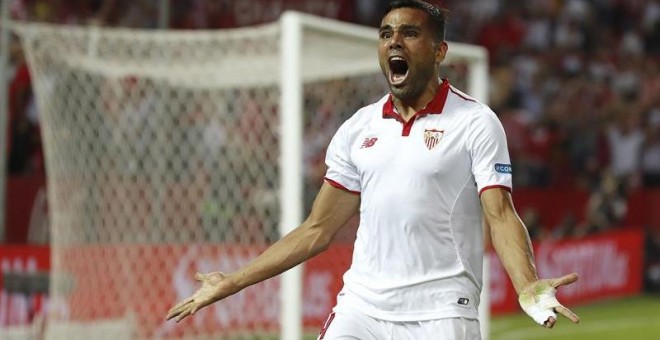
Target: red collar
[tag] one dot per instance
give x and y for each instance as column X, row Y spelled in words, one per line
column 436, row 105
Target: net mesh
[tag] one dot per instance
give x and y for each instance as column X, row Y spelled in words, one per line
column 162, row 160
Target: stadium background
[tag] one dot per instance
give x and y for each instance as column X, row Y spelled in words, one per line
column 575, row 83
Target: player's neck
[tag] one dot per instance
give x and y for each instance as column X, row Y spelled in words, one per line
column 408, row 107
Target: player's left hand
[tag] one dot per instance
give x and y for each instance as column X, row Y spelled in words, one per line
column 215, row 286
column 539, row 302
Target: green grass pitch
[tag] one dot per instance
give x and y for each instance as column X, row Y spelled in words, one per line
column 635, row 318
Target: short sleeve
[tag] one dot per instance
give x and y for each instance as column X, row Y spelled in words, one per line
column 341, row 173
column 491, row 164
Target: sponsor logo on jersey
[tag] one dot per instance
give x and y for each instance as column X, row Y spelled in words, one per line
column 503, row 168
column 432, row 137
column 369, row 142
column 463, row 301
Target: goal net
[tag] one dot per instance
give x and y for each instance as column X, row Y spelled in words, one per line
column 172, row 152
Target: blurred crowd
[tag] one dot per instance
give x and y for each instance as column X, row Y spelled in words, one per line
column 576, row 84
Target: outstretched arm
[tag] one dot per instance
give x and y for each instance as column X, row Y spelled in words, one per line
column 331, row 210
column 512, row 244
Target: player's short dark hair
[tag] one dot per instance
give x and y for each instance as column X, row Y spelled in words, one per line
column 437, row 15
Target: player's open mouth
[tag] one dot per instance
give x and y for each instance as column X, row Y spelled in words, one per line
column 398, row 70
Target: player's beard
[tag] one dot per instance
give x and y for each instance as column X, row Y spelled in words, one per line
column 416, row 83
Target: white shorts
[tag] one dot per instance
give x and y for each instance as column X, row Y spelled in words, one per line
column 357, row 326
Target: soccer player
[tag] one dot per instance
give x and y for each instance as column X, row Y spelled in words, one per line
column 422, row 166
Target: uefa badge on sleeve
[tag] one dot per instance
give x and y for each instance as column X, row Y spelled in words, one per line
column 432, row 137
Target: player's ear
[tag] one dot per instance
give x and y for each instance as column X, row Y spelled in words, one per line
column 441, row 51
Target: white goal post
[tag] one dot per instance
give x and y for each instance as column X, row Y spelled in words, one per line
column 169, row 152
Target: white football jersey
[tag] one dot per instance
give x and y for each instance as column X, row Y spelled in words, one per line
column 419, row 248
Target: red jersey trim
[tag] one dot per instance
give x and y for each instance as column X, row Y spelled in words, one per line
column 436, row 106
column 495, row 187
column 462, row 96
column 326, row 325
column 339, row 186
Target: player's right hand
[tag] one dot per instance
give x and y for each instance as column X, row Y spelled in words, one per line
column 214, row 287
column 539, row 302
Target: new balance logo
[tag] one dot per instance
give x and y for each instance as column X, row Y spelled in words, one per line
column 368, row 142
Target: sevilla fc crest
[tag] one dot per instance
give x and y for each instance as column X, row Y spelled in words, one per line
column 432, row 137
